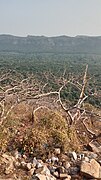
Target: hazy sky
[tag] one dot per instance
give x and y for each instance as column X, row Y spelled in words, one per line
column 50, row 17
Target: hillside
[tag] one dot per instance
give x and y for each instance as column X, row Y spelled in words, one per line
column 50, row 108
column 60, row 44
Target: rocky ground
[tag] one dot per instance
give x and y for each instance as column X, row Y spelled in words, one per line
column 68, row 166
column 47, row 149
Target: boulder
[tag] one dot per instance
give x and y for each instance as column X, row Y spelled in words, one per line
column 90, row 169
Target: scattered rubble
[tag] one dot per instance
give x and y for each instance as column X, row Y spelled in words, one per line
column 69, row 166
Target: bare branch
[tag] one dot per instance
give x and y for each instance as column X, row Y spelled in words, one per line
column 90, row 131
column 35, row 110
column 82, row 98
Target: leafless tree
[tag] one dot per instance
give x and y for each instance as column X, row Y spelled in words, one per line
column 15, row 91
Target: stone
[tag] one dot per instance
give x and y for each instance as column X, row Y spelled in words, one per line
column 9, row 161
column 99, row 162
column 56, row 174
column 90, row 155
column 34, row 178
column 48, row 160
column 57, row 151
column 66, row 165
column 61, row 170
column 29, row 165
column 54, row 159
column 8, row 171
column 17, row 164
column 100, row 173
column 80, row 156
column 23, row 164
column 90, row 169
column 74, row 155
column 17, row 155
column 7, row 179
column 45, row 171
column 35, row 162
column 95, row 147
column 74, row 170
column 39, row 170
column 86, row 159
column 64, row 157
column 45, row 177
column 52, row 169
column 39, row 165
column 24, row 156
column 31, row 171
column 65, row 176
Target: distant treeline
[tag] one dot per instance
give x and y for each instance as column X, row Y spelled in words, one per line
column 42, row 44
column 56, row 63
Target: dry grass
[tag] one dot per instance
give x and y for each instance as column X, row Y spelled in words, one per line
column 49, row 130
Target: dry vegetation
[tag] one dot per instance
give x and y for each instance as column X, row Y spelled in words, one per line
column 35, row 122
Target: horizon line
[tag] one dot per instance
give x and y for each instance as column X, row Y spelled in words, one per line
column 61, row 35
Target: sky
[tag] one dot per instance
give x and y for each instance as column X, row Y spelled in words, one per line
column 50, row 17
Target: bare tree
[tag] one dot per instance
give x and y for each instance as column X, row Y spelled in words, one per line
column 30, row 88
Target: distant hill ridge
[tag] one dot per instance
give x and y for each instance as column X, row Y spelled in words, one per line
column 59, row 44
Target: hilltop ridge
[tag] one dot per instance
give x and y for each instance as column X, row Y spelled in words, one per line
column 57, row 44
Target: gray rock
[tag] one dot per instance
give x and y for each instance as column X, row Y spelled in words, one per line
column 74, row 170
